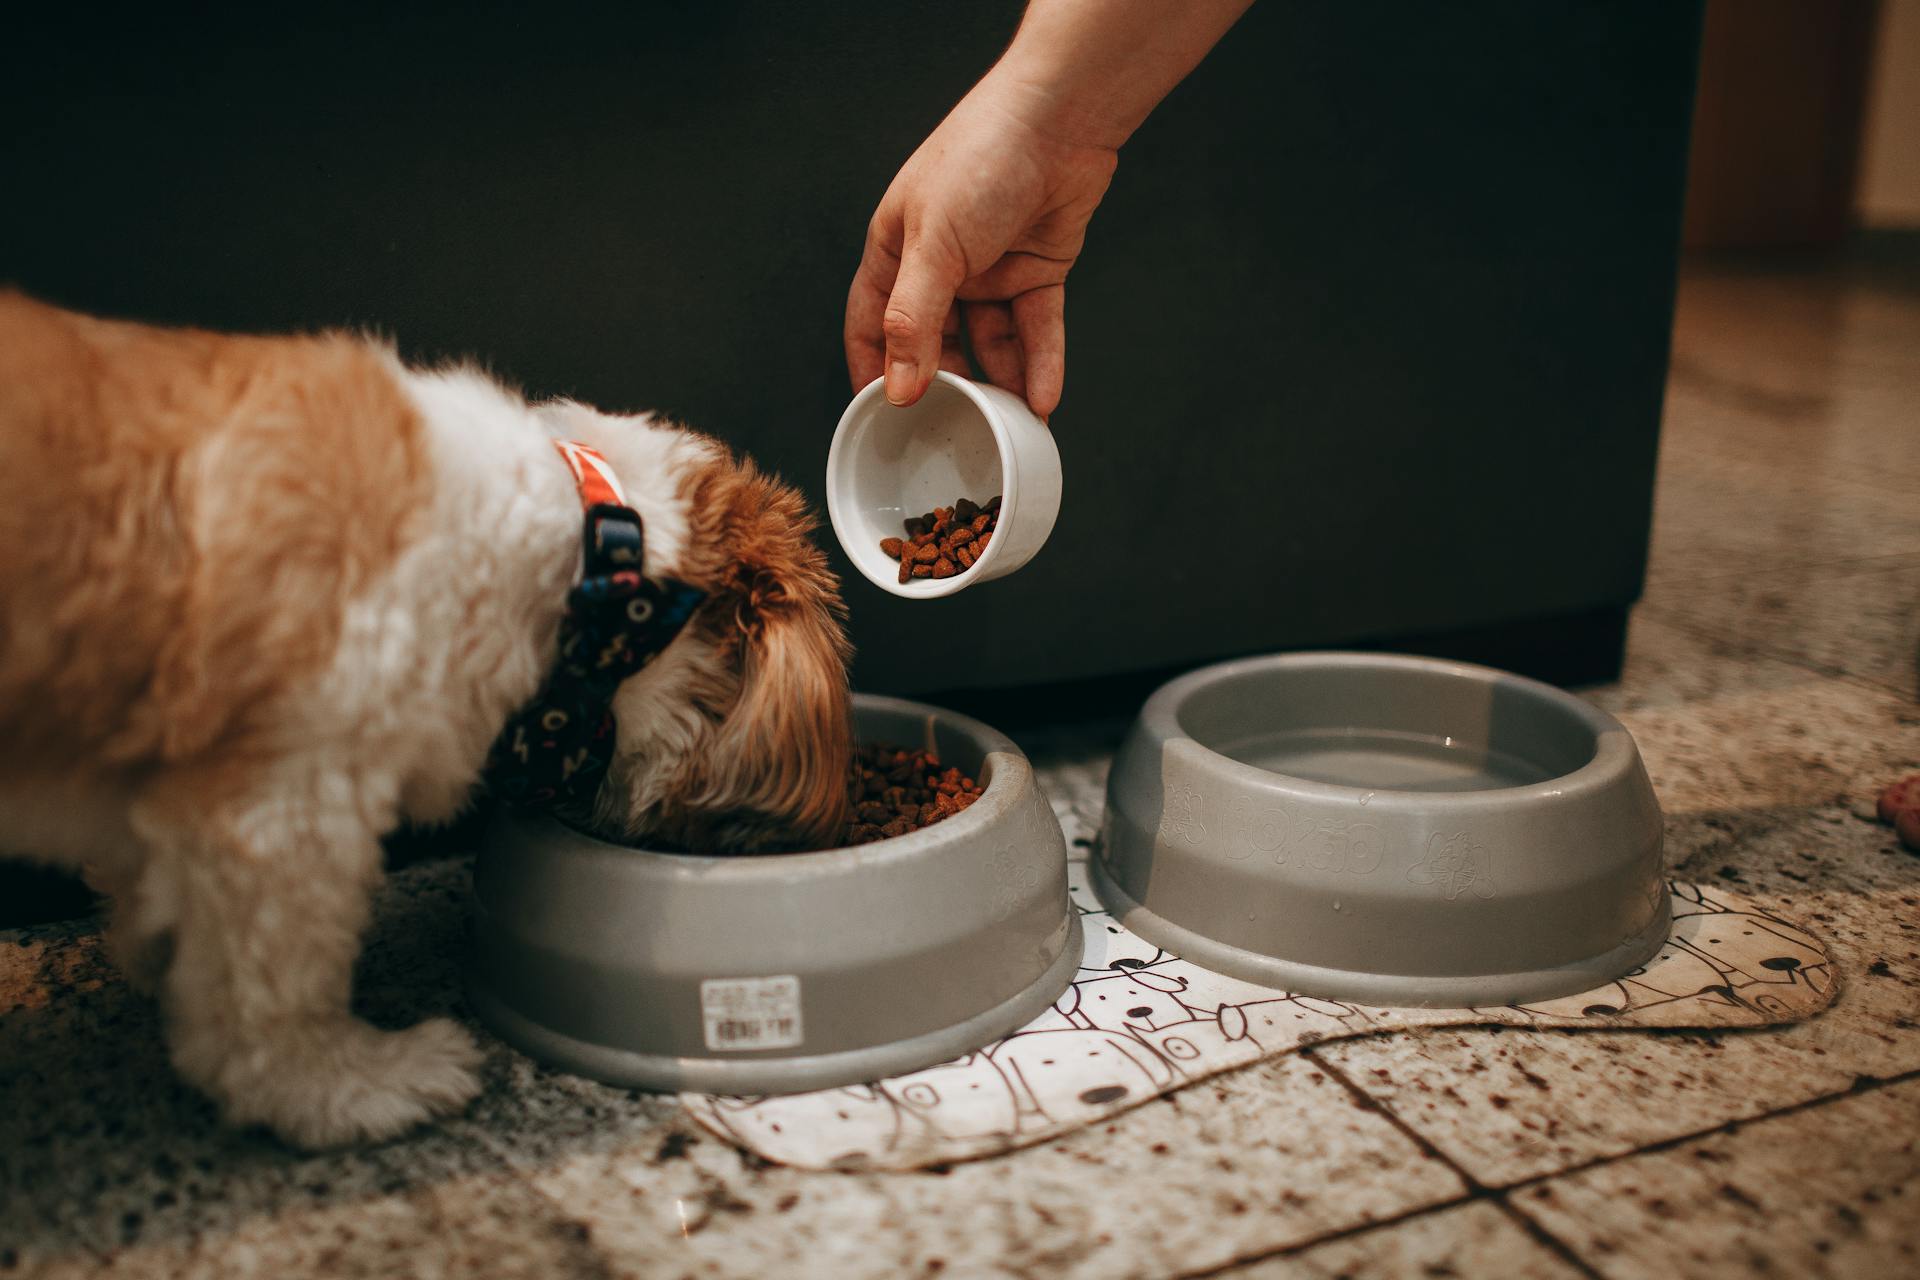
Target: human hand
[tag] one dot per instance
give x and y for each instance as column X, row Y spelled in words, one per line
column 977, row 233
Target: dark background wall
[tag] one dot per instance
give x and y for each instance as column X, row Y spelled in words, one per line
column 1369, row 339
column 1367, row 347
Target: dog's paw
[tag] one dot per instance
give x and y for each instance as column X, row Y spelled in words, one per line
column 355, row 1083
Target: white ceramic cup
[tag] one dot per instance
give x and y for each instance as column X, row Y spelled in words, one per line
column 961, row 440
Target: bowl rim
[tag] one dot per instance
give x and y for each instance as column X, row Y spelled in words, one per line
column 1614, row 750
column 867, row 559
column 1012, row 772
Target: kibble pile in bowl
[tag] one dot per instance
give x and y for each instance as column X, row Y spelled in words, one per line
column 897, row 790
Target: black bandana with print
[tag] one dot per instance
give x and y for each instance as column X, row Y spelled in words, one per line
column 557, row 749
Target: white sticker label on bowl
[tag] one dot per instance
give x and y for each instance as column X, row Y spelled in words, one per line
column 751, row 1013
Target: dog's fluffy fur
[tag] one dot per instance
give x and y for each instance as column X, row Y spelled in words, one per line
column 263, row 599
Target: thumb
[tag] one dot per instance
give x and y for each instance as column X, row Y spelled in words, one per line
column 930, row 273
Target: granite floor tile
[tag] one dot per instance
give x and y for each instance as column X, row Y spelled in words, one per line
column 531, row 1116
column 1860, row 619
column 1789, row 431
column 1669, row 668
column 1833, row 1190
column 104, row 1154
column 1762, row 767
column 1867, row 441
column 493, row 1226
column 1801, row 368
column 1282, row 1155
column 1726, row 730
column 1717, row 516
column 1511, row 1105
column 1477, row 1238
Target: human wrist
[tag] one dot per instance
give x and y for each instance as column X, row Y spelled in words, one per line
column 1087, row 73
column 1057, row 101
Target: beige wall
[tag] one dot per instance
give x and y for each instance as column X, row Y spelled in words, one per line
column 1889, row 192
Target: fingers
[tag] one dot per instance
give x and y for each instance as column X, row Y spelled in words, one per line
column 953, row 351
column 866, row 304
column 996, row 346
column 891, row 331
column 1040, row 320
column 916, row 314
column 1013, row 274
column 866, row 352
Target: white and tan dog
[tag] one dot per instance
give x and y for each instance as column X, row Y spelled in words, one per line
column 263, row 599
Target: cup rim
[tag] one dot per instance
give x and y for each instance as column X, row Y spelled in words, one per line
column 869, row 559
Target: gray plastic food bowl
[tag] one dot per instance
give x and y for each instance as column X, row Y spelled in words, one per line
column 1386, row 829
column 782, row 972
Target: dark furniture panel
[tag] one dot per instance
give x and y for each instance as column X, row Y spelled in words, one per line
column 1369, row 339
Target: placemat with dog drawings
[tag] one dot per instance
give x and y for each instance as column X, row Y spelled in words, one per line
column 1138, row 1022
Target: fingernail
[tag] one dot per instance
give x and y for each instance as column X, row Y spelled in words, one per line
column 900, row 380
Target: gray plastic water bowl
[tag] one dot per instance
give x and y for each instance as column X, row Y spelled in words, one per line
column 782, row 972
column 1392, row 830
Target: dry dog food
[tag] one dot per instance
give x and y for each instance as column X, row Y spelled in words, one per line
column 1904, row 794
column 896, row 790
column 945, row 541
column 1900, row 807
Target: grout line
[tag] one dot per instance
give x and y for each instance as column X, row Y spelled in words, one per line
column 1541, row 1236
column 1475, row 1188
column 1475, row 1191
column 1367, row 1102
column 1501, row 1195
column 1332, row 1236
column 1860, row 1085
column 1325, row 1237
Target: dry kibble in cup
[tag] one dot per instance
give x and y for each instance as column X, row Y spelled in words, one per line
column 962, row 437
column 945, row 541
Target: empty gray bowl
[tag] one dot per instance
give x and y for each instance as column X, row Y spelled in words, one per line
column 782, row 972
column 1392, row 830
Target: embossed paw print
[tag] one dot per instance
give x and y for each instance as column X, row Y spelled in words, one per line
column 1260, row 828
column 1353, row 847
column 1184, row 816
column 1455, row 865
column 1014, row 881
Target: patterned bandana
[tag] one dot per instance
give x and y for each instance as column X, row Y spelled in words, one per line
column 557, row 748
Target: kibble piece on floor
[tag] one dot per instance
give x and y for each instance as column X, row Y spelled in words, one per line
column 1900, row 808
column 946, row 541
column 1904, row 794
column 1907, row 823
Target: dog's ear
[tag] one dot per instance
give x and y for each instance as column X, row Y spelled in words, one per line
column 780, row 754
column 792, row 724
column 761, row 597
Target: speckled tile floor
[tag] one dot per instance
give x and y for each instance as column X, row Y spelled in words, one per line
column 1772, row 683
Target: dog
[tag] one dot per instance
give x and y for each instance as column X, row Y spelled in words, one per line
column 263, row 599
